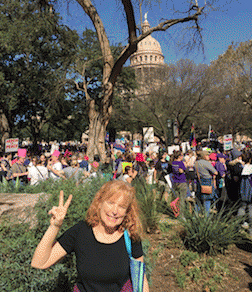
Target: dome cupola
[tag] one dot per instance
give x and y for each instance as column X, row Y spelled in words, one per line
column 149, row 52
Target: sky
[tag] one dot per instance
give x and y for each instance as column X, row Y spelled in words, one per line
column 231, row 22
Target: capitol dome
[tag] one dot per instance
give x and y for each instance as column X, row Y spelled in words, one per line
column 149, row 52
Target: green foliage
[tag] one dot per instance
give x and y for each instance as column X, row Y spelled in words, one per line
column 180, row 276
column 196, row 268
column 188, row 257
column 36, row 55
column 211, row 233
column 195, row 274
column 146, row 195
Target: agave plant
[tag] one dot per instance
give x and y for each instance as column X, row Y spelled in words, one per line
column 146, row 195
column 212, row 233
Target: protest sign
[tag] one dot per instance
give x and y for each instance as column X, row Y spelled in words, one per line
column 228, row 142
column 11, row 145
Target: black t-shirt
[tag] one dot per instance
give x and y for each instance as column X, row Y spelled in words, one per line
column 101, row 267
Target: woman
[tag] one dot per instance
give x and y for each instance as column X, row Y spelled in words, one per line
column 73, row 171
column 221, row 168
column 205, row 172
column 246, row 190
column 162, row 169
column 5, row 166
column 98, row 242
column 179, row 179
column 37, row 172
column 190, row 159
column 233, row 176
column 18, row 169
column 129, row 174
column 54, row 166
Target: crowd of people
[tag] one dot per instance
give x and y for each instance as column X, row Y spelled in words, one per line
column 185, row 175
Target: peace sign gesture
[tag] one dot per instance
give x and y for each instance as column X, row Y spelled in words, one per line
column 59, row 213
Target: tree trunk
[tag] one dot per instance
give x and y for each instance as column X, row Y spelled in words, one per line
column 4, row 128
column 96, row 138
column 98, row 121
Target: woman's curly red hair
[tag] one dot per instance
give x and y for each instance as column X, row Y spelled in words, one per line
column 131, row 221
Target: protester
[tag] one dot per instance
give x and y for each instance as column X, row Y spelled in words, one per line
column 64, row 161
column 190, row 159
column 73, row 171
column 150, row 174
column 94, row 166
column 5, row 166
column 83, row 163
column 233, row 178
column 205, row 177
column 179, row 180
column 54, row 166
column 221, row 167
column 18, row 169
column 140, row 166
column 98, row 242
column 43, row 160
column 117, row 169
column 162, row 169
column 37, row 172
column 246, row 190
column 129, row 174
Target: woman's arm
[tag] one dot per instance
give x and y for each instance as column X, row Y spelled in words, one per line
column 47, row 253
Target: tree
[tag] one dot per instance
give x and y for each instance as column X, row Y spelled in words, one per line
column 100, row 114
column 178, row 92
column 36, row 54
column 231, row 109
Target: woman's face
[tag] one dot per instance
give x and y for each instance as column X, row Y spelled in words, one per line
column 113, row 211
column 206, row 157
column 42, row 158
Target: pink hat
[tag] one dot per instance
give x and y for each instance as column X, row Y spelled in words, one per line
column 213, row 156
column 21, row 153
column 140, row 157
column 56, row 153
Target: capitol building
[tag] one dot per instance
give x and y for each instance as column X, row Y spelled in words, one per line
column 147, row 61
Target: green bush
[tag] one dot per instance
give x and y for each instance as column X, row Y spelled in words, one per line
column 211, row 233
column 188, row 257
column 18, row 241
column 180, row 276
column 146, row 195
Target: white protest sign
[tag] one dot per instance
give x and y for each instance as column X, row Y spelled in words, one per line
column 148, row 133
column 173, row 148
column 11, row 145
column 228, row 142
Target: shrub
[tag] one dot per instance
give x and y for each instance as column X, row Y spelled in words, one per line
column 180, row 276
column 146, row 195
column 211, row 233
column 188, row 257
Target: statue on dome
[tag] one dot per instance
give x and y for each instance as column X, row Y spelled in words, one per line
column 145, row 15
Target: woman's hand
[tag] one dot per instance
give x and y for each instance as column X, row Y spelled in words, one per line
column 59, row 213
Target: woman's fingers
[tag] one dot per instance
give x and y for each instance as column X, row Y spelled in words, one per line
column 68, row 202
column 61, row 198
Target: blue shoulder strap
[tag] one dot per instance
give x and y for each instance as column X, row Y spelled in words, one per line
column 127, row 242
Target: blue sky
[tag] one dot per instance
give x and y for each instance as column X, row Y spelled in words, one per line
column 232, row 22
